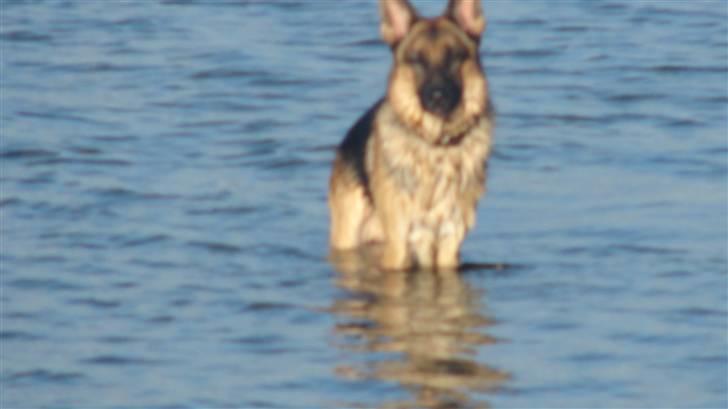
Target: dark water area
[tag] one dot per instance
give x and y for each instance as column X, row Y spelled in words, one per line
column 163, row 220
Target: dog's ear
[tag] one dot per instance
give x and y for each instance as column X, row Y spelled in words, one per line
column 468, row 14
column 398, row 16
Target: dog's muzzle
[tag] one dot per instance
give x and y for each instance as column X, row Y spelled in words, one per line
column 440, row 96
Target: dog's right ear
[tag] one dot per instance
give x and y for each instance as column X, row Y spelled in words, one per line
column 469, row 16
column 398, row 16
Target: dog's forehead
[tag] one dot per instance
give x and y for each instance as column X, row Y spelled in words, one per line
column 436, row 36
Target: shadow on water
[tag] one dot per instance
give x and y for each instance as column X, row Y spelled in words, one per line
column 420, row 330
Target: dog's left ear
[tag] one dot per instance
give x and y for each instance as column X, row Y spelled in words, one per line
column 469, row 16
column 398, row 16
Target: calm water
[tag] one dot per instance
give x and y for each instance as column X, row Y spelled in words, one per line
column 164, row 225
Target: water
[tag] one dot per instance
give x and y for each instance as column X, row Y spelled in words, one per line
column 164, row 222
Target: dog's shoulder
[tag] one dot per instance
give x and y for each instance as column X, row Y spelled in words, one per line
column 353, row 148
column 357, row 136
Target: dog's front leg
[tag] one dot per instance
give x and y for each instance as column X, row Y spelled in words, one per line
column 395, row 221
column 396, row 254
column 448, row 248
column 423, row 242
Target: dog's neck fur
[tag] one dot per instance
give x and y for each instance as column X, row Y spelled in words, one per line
column 450, row 135
column 436, row 131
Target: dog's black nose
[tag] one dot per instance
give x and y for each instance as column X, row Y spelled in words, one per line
column 440, row 98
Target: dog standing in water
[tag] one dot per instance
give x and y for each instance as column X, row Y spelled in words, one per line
column 410, row 171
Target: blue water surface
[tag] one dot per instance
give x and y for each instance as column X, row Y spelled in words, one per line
column 163, row 220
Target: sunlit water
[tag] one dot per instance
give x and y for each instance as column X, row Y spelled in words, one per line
column 163, row 214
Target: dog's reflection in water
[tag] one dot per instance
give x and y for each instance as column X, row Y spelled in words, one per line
column 421, row 330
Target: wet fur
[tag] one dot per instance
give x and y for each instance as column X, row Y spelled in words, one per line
column 403, row 175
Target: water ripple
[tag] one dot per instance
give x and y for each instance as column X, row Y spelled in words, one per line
column 532, row 53
column 677, row 69
column 96, row 303
column 120, row 193
column 25, row 36
column 216, row 247
column 146, row 240
column 27, row 154
column 267, row 306
column 257, row 340
column 225, row 73
column 82, row 161
column 119, row 360
column 22, row 336
column 63, row 117
column 41, row 376
column 40, row 284
column 635, row 97
column 98, row 67
column 233, row 210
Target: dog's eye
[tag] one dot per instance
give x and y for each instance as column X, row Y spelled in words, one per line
column 458, row 55
column 456, row 58
column 417, row 60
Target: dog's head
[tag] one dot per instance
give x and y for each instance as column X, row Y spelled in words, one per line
column 436, row 86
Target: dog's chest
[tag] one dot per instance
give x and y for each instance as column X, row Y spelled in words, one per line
column 437, row 208
column 432, row 177
column 439, row 185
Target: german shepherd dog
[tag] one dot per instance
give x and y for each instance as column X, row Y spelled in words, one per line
column 410, row 171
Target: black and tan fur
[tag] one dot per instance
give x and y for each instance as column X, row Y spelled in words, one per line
column 410, row 172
